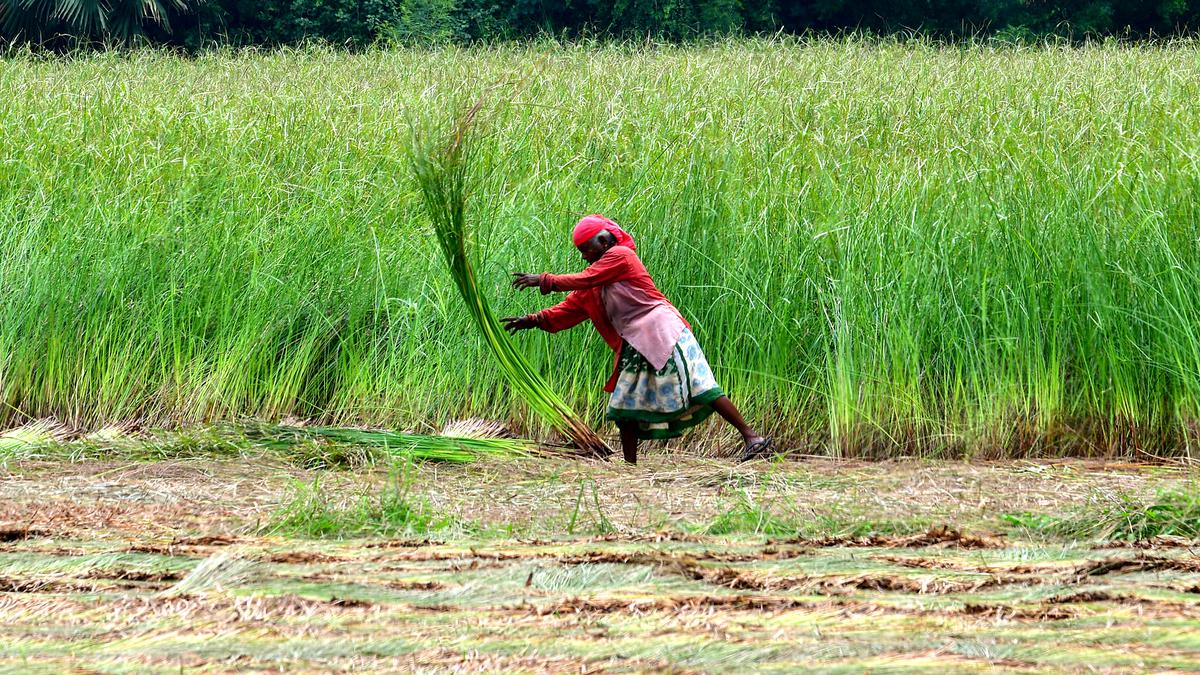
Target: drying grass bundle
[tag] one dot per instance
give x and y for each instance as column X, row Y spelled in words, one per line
column 214, row 573
column 420, row 447
column 441, row 168
column 30, row 437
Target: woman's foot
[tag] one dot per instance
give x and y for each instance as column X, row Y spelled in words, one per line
column 756, row 447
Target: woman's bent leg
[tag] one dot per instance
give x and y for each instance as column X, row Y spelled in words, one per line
column 725, row 408
column 756, row 446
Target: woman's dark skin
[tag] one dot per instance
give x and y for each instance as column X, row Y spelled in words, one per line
column 592, row 250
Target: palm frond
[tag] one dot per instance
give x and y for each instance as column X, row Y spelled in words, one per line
column 85, row 16
column 113, row 21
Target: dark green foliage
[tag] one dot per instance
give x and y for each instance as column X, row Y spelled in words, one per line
column 356, row 23
column 57, row 23
column 685, row 19
column 429, row 22
column 956, row 18
column 245, row 22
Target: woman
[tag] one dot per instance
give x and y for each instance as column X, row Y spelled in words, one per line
column 661, row 383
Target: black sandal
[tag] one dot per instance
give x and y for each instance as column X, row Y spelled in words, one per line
column 757, row 449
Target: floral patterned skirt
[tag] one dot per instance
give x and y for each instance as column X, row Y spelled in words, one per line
column 664, row 402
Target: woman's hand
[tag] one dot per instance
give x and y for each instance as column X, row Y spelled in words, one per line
column 521, row 281
column 512, row 324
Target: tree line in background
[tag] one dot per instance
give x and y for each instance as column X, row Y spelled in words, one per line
column 194, row 24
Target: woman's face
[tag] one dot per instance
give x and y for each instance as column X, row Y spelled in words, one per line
column 593, row 248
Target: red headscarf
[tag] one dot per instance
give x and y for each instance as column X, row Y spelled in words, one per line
column 590, row 226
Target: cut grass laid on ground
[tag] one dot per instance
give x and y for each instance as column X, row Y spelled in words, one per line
column 310, row 446
column 618, row 603
column 427, row 447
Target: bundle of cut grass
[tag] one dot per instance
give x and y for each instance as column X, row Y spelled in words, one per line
column 217, row 572
column 31, row 437
column 441, row 168
column 422, row 447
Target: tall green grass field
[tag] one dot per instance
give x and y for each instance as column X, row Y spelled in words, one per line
column 885, row 248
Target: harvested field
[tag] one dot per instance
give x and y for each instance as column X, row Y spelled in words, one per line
column 162, row 566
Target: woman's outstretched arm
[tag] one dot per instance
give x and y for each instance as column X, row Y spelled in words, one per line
column 612, row 266
column 566, row 314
